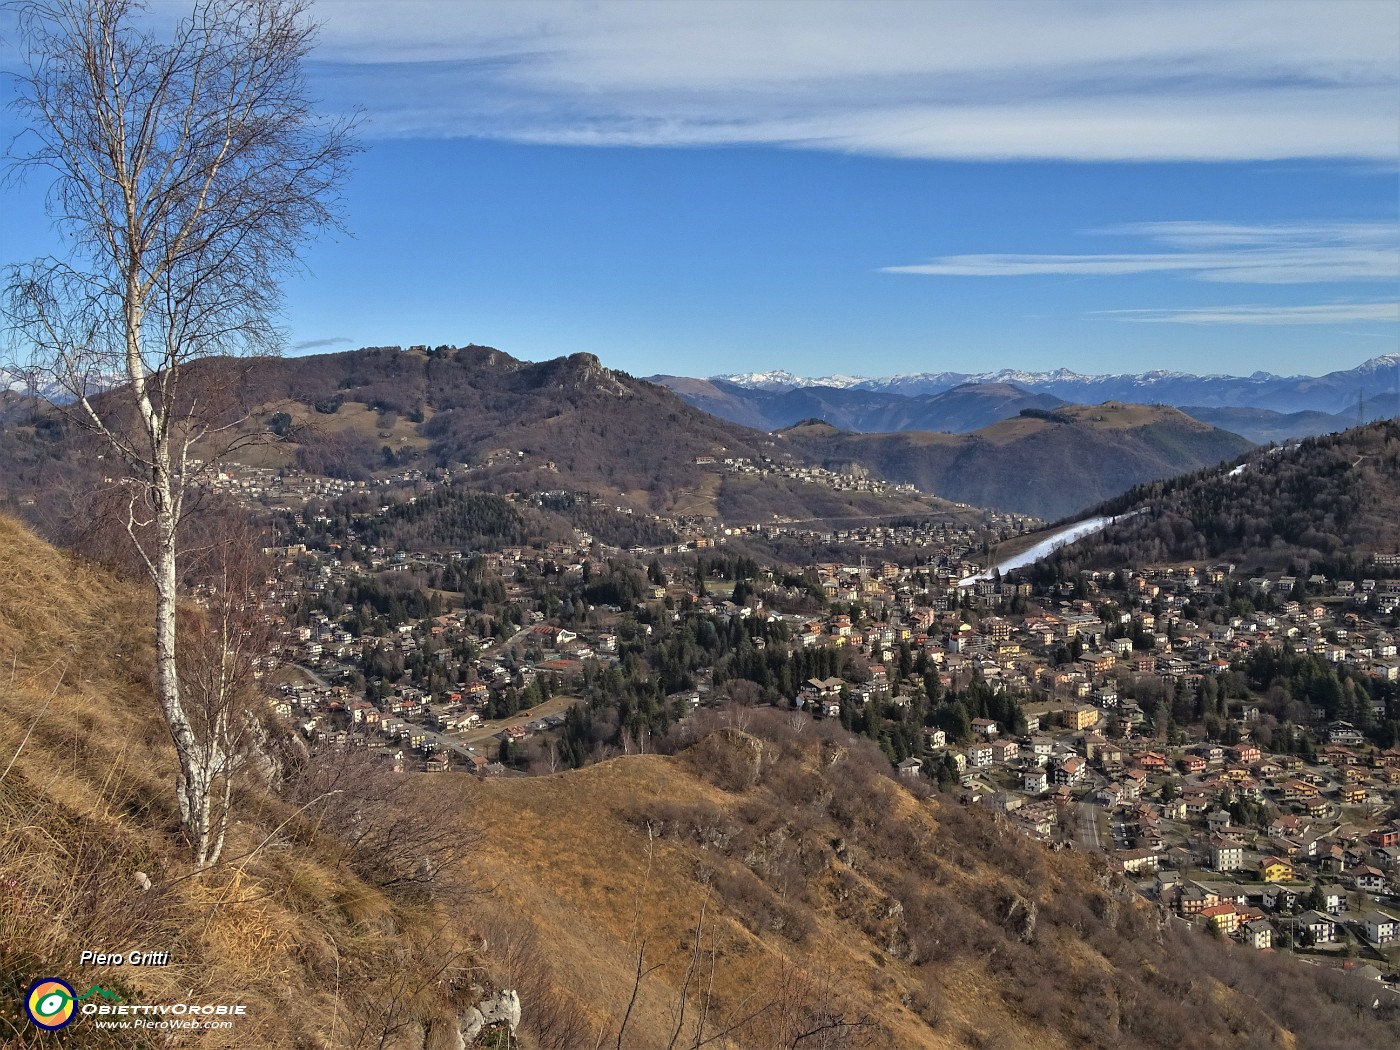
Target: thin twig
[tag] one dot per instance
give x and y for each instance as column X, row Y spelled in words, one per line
column 37, row 715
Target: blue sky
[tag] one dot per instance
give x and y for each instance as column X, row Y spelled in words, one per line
column 860, row 188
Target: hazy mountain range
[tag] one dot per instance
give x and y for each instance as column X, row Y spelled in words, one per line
column 1332, row 392
column 1262, row 407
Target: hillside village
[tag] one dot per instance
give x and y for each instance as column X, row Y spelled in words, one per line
column 1135, row 729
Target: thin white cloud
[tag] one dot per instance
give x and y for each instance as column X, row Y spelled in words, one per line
column 1325, row 313
column 1241, row 80
column 1276, row 254
column 320, row 344
column 1201, row 235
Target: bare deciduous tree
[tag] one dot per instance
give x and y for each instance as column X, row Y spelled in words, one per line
column 186, row 172
column 218, row 645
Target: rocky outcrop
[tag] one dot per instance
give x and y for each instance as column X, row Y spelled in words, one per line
column 501, row 1008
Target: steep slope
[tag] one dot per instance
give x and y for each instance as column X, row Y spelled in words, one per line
column 1323, row 505
column 1049, row 464
column 291, row 924
column 771, row 882
column 15, row 407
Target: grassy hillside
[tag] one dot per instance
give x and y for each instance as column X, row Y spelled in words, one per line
column 775, row 879
column 293, row 923
column 771, row 883
column 1049, row 463
column 564, row 424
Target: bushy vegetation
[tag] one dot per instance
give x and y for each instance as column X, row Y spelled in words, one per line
column 816, row 829
column 1047, row 414
column 327, row 915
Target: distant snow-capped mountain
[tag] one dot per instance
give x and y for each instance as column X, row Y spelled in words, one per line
column 925, row 382
column 780, row 380
column 1333, row 392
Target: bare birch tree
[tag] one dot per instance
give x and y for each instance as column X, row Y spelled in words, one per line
column 220, row 636
column 187, row 168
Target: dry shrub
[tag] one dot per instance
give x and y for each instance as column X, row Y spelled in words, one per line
column 394, row 831
column 760, row 909
column 729, row 758
column 519, row 958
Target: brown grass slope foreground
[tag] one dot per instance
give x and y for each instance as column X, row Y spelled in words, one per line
column 771, row 885
column 326, row 945
column 1046, row 463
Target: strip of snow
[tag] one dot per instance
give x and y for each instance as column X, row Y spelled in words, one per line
column 1057, row 539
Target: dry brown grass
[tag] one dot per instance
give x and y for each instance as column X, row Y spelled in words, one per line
column 86, row 801
column 563, row 852
column 673, row 867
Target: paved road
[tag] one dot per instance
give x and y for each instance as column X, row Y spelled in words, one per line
column 1089, row 826
column 553, row 706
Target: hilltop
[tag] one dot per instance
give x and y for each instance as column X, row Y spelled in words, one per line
column 1323, row 505
column 1046, row 463
column 568, row 424
column 969, row 406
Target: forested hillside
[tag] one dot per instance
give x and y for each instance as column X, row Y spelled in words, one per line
column 566, row 425
column 1323, row 505
column 1048, row 463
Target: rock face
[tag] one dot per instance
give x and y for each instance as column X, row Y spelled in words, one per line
column 503, row 1006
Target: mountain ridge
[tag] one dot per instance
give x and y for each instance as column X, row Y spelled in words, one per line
column 1324, row 504
column 1049, row 464
column 1328, row 392
column 495, row 422
column 959, row 409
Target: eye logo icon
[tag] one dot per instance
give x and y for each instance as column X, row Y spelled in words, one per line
column 50, row 1003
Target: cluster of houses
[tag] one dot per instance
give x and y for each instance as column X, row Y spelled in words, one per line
column 412, row 727
column 290, row 487
column 851, row 481
column 1317, row 877
column 1170, row 815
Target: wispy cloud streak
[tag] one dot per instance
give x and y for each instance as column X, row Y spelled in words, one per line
column 321, row 344
column 1245, row 80
column 1324, row 313
column 1282, row 254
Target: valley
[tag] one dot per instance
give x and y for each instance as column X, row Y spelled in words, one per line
column 1214, row 741
column 615, row 526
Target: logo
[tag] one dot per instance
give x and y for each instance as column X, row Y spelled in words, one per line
column 50, row 1003
column 105, row 993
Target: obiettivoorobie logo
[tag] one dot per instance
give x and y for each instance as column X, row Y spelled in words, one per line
column 51, row 1003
